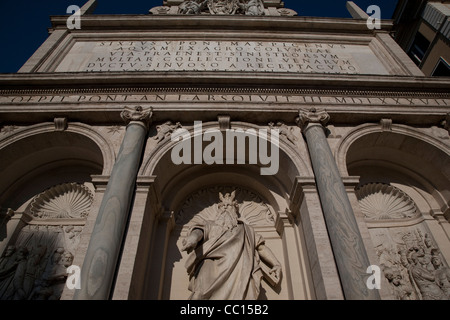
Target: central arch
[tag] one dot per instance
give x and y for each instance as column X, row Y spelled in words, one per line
column 177, row 185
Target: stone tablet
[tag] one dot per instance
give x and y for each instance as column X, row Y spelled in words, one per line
column 237, row 56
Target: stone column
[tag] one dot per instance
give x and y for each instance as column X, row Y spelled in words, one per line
column 102, row 256
column 348, row 248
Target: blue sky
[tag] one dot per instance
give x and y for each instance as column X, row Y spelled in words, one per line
column 24, row 23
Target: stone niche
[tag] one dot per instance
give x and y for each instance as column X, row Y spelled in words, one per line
column 169, row 279
column 34, row 264
column 408, row 254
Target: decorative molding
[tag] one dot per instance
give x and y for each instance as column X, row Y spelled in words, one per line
column 8, row 129
column 64, row 201
column 252, row 8
column 221, row 7
column 386, row 124
column 192, row 7
column 440, row 133
column 115, row 129
column 287, row 12
column 224, row 122
column 237, row 90
column 60, row 124
column 379, row 201
column 160, row 10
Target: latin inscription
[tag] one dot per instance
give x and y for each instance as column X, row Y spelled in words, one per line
column 224, row 98
column 239, row 56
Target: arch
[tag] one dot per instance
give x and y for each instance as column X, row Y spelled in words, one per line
column 37, row 157
column 292, row 163
column 361, row 131
column 178, row 183
column 409, row 154
column 409, row 160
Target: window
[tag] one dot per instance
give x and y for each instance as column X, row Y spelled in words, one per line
column 442, row 69
column 419, row 48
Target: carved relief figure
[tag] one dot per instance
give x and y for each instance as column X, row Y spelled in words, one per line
column 16, row 292
column 401, row 289
column 50, row 285
column 412, row 263
column 35, row 267
column 8, row 266
column 223, row 6
column 192, row 7
column 442, row 275
column 425, row 279
column 285, row 131
column 34, row 274
column 252, row 7
column 165, row 130
column 226, row 256
column 33, row 270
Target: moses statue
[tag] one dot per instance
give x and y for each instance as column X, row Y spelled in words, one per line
column 226, row 257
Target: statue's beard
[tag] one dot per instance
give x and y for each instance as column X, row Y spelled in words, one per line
column 227, row 220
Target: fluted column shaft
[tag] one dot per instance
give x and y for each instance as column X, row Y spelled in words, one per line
column 100, row 263
column 348, row 248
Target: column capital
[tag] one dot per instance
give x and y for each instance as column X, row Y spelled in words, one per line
column 312, row 116
column 137, row 114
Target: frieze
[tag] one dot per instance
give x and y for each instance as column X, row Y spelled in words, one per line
column 219, row 97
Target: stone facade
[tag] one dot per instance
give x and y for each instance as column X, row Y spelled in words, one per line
column 89, row 177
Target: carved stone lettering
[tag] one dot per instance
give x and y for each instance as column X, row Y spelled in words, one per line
column 298, row 99
column 204, row 55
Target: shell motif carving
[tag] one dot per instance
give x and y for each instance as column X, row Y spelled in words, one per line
column 252, row 209
column 70, row 200
column 379, row 201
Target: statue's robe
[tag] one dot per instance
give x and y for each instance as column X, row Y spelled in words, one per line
column 226, row 264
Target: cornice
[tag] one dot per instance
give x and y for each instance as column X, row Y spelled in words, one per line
column 225, row 22
column 218, row 90
column 227, row 82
